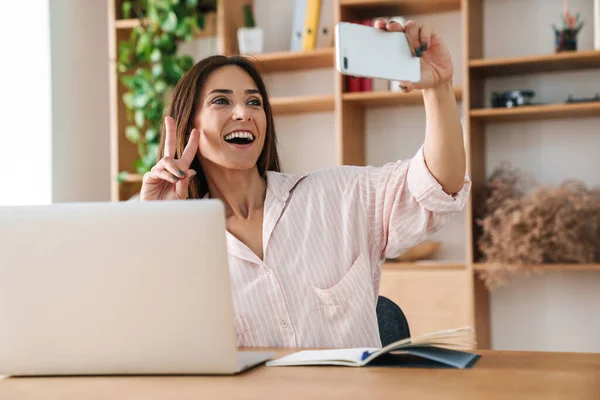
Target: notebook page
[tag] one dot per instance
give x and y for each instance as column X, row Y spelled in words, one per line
column 316, row 357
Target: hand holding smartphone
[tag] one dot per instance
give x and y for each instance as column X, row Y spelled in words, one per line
column 366, row 51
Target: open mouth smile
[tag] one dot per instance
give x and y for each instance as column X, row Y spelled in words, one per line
column 242, row 139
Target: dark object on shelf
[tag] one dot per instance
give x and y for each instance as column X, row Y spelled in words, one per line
column 512, row 98
column 565, row 40
column 571, row 99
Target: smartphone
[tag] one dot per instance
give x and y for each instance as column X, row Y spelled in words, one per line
column 365, row 51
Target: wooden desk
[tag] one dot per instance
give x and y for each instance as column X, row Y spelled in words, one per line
column 497, row 375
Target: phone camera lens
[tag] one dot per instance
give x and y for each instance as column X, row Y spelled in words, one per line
column 345, row 62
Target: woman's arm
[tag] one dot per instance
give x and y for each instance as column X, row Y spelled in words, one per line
column 444, row 144
column 444, row 147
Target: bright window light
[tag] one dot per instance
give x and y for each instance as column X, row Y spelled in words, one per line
column 25, row 104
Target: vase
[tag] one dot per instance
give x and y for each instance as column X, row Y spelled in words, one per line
column 250, row 40
column 565, row 40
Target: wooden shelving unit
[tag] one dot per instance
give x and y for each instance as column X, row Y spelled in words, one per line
column 537, row 112
column 550, row 267
column 209, row 24
column 374, row 8
column 293, row 61
column 424, row 265
column 566, row 61
column 388, row 99
column 302, row 104
column 129, row 23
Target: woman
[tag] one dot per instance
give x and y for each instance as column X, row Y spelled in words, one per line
column 305, row 250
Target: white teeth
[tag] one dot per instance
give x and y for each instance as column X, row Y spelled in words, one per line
column 240, row 134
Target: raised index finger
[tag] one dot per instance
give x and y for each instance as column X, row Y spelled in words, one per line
column 171, row 137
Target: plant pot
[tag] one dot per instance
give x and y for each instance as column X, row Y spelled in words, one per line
column 250, row 40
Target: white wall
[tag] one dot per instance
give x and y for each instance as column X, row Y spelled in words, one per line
column 80, row 100
column 25, row 104
column 557, row 311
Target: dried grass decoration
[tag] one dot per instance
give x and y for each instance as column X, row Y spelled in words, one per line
column 523, row 228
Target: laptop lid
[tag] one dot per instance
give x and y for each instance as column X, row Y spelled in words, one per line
column 115, row 288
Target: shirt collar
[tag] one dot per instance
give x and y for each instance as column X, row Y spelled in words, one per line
column 281, row 184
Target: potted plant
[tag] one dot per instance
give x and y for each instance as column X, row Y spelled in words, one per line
column 250, row 37
column 150, row 67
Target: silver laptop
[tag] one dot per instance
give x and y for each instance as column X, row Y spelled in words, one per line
column 117, row 288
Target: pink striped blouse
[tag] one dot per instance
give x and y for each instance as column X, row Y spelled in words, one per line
column 325, row 237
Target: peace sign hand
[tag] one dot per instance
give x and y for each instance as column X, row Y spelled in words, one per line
column 169, row 178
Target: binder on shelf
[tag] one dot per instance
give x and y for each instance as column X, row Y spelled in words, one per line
column 298, row 19
column 326, row 28
column 597, row 24
column 311, row 24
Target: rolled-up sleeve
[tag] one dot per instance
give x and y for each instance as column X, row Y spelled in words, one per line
column 404, row 203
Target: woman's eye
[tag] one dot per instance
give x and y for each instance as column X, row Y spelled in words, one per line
column 220, row 100
column 255, row 102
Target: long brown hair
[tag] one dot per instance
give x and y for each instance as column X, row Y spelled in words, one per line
column 183, row 105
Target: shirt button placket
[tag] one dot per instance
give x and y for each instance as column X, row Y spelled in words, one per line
column 284, row 323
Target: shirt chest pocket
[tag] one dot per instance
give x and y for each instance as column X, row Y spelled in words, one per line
column 347, row 306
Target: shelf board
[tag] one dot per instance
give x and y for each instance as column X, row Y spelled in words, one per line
column 376, row 8
column 536, row 112
column 388, row 99
column 133, row 178
column 302, row 104
column 127, row 23
column 287, row 61
column 424, row 265
column 565, row 61
column 549, row 267
column 210, row 24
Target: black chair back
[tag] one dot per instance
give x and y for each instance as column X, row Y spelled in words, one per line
column 393, row 325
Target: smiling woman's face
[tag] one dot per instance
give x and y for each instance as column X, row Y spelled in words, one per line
column 231, row 119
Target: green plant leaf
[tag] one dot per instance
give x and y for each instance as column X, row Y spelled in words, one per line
column 140, row 120
column 160, row 86
column 128, row 99
column 191, row 3
column 151, row 156
column 125, row 56
column 132, row 133
column 143, row 73
column 200, row 21
column 156, row 55
column 140, row 100
column 152, row 14
column 128, row 81
column 144, row 46
column 126, row 9
column 162, row 4
column 122, row 176
column 151, row 134
column 166, row 43
column 186, row 63
column 157, row 70
column 184, row 28
column 169, row 24
column 138, row 165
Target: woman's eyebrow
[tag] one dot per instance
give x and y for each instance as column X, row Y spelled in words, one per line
column 229, row 91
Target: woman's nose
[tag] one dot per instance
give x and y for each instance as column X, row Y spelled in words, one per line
column 241, row 113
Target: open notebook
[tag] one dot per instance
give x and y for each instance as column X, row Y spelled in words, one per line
column 439, row 349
